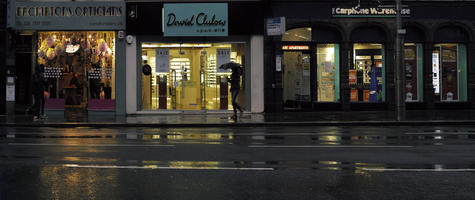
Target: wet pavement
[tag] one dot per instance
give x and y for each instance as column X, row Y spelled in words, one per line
column 296, row 162
column 358, row 118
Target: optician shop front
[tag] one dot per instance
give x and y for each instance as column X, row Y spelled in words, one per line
column 79, row 45
column 177, row 49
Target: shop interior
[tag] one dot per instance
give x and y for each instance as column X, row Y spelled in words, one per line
column 78, row 68
column 366, row 75
column 186, row 76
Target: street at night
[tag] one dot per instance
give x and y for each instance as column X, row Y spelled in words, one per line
column 349, row 162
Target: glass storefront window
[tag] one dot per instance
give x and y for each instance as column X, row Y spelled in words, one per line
column 413, row 71
column 187, row 76
column 366, row 75
column 328, row 73
column 79, row 68
column 449, row 72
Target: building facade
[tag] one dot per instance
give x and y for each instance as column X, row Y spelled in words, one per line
column 81, row 48
column 175, row 51
column 339, row 55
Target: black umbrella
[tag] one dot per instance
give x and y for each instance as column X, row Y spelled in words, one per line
column 230, row 65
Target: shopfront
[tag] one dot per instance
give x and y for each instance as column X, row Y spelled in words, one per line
column 178, row 68
column 310, row 67
column 78, row 45
column 449, row 61
column 354, row 70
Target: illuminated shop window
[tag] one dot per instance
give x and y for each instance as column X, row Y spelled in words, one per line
column 449, row 72
column 328, row 73
column 187, row 76
column 366, row 75
column 79, row 68
column 413, row 71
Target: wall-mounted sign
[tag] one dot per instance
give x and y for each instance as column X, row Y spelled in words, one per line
column 369, row 12
column 276, row 26
column 10, row 92
column 278, row 63
column 295, row 47
column 71, row 15
column 195, row 19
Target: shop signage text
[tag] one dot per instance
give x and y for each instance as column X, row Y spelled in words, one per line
column 295, row 47
column 195, row 19
column 67, row 15
column 276, row 26
column 63, row 11
column 369, row 12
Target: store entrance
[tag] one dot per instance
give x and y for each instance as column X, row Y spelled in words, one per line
column 187, row 76
column 297, row 77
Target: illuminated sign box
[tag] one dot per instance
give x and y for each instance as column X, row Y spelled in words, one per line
column 195, row 19
column 295, row 47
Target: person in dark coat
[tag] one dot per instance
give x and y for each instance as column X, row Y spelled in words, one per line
column 39, row 93
column 235, row 87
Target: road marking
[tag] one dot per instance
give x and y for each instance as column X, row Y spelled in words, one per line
column 441, row 133
column 91, row 145
column 172, row 168
column 417, row 170
column 326, row 146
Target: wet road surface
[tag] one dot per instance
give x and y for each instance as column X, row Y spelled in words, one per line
column 238, row 163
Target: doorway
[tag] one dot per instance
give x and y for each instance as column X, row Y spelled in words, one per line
column 298, row 92
column 186, row 76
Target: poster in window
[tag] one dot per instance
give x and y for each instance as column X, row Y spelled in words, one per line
column 352, row 76
column 449, row 73
column 410, row 71
column 223, row 56
column 162, row 60
column 354, row 95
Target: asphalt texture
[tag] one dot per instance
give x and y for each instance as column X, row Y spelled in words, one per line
column 308, row 162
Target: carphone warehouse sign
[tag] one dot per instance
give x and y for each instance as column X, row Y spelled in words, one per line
column 195, row 19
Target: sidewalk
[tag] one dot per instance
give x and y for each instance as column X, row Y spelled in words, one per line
column 337, row 118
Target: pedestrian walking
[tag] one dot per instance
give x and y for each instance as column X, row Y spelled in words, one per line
column 38, row 93
column 235, row 81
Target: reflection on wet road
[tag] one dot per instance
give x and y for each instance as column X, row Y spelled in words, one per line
column 90, row 163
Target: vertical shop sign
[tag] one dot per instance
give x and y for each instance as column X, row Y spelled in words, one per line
column 223, row 56
column 162, row 60
column 278, row 63
column 435, row 72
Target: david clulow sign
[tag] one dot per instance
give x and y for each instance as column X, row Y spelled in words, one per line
column 369, row 12
column 195, row 19
column 89, row 15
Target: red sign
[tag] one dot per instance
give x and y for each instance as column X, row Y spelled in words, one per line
column 295, row 47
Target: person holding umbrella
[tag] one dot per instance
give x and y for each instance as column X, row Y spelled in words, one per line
column 235, row 83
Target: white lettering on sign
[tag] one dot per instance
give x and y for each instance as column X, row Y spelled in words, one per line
column 295, row 47
column 369, row 11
